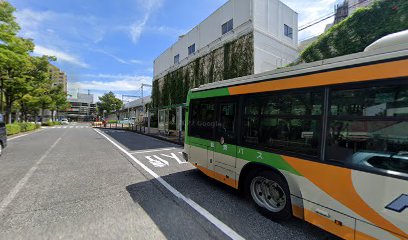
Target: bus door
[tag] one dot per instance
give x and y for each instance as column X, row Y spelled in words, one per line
column 224, row 151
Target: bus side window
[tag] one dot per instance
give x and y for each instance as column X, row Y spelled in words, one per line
column 202, row 119
column 368, row 127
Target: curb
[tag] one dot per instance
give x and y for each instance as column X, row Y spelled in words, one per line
column 145, row 134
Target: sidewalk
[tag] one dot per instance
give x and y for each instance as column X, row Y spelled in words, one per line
column 154, row 132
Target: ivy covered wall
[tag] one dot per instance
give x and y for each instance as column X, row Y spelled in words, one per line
column 359, row 30
column 233, row 59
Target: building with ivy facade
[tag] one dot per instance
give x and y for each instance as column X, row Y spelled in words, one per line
column 242, row 37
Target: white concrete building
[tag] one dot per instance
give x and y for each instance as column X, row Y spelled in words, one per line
column 273, row 24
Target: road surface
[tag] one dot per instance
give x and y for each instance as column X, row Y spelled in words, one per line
column 73, row 182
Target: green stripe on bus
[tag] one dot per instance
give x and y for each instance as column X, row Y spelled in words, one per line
column 209, row 93
column 248, row 154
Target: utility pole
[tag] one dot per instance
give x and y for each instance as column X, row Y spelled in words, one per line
column 144, row 85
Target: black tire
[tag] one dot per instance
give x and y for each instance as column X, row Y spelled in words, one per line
column 283, row 211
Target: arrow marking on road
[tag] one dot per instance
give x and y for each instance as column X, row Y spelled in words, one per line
column 174, row 156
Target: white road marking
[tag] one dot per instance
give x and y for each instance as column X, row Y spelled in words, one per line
column 215, row 221
column 17, row 137
column 153, row 150
column 155, row 163
column 23, row 181
column 174, row 156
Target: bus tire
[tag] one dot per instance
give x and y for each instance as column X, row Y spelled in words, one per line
column 270, row 194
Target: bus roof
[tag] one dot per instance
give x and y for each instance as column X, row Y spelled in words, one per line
column 382, row 54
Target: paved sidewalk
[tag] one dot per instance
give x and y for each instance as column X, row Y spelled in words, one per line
column 154, row 132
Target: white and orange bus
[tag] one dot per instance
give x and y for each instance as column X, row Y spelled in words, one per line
column 326, row 142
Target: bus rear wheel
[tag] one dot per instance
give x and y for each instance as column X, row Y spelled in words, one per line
column 271, row 195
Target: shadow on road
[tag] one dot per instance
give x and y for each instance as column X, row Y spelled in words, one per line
column 136, row 142
column 225, row 203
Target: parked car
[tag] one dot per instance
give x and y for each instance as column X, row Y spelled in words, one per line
column 3, row 134
column 64, row 121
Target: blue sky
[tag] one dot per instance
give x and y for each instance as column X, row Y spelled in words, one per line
column 110, row 45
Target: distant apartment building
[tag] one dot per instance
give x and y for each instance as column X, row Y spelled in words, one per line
column 348, row 7
column 58, row 77
column 242, row 37
column 82, row 108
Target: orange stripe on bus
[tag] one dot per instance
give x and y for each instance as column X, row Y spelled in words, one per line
column 357, row 74
column 222, row 178
column 344, row 232
column 337, row 182
column 297, row 211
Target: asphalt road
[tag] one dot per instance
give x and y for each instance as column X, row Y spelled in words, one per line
column 76, row 183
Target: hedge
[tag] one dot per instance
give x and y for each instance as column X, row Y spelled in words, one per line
column 12, row 129
column 16, row 128
column 356, row 32
column 50, row 124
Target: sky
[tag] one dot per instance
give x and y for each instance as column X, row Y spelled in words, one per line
column 106, row 45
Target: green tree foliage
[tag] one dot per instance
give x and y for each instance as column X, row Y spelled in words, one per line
column 359, row 30
column 109, row 103
column 24, row 79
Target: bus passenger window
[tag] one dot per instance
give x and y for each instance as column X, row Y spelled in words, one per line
column 289, row 122
column 368, row 128
column 202, row 119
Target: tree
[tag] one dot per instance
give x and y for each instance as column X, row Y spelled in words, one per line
column 59, row 100
column 109, row 103
column 359, row 30
column 14, row 59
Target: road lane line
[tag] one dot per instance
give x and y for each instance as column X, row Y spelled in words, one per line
column 203, row 212
column 152, row 150
column 9, row 198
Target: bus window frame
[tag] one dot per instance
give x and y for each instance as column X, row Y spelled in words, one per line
column 329, row 118
column 319, row 118
column 191, row 115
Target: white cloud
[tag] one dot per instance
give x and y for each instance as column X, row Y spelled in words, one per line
column 138, row 27
column 62, row 56
column 116, row 83
column 310, row 11
column 136, row 61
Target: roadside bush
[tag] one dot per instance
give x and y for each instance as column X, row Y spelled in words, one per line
column 50, row 124
column 113, row 121
column 13, row 129
column 27, row 126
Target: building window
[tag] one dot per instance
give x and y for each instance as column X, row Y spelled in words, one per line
column 228, row 26
column 288, row 31
column 191, row 49
column 177, row 59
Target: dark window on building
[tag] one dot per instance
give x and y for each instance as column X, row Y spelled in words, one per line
column 284, row 122
column 191, row 49
column 368, row 127
column 227, row 27
column 202, row 119
column 288, row 31
column 177, row 59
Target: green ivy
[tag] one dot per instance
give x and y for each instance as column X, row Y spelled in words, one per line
column 237, row 62
column 359, row 30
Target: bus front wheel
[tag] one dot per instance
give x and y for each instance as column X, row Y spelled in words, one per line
column 271, row 195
